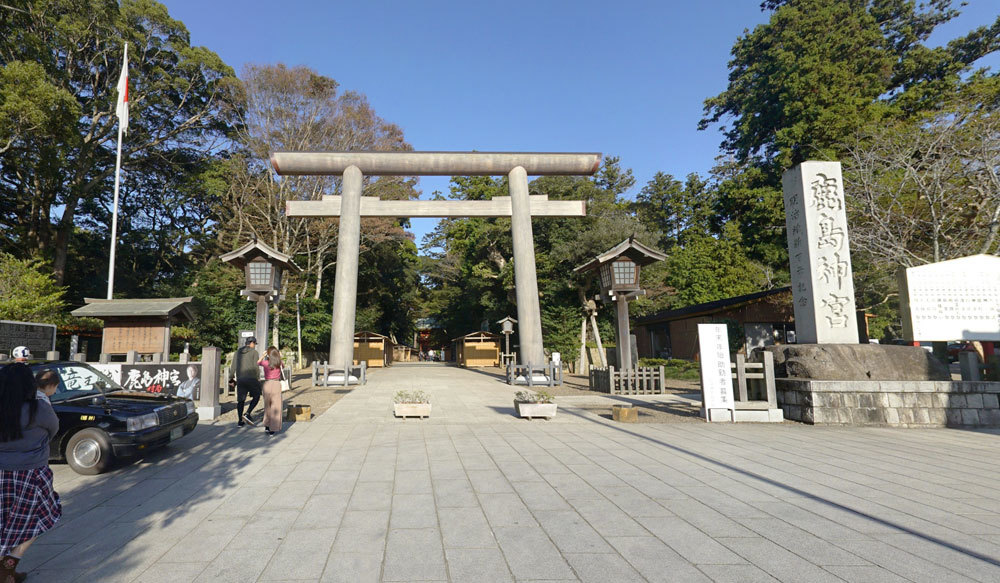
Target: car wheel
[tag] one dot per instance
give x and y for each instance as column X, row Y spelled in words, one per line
column 89, row 452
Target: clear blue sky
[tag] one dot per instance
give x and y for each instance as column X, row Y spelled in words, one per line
column 625, row 78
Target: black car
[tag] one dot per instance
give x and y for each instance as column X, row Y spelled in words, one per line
column 99, row 421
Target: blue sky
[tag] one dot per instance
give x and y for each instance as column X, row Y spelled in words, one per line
column 625, row 78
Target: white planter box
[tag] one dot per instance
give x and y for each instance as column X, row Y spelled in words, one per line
column 529, row 410
column 412, row 409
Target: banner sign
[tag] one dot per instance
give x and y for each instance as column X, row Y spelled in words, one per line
column 716, row 369
column 182, row 380
column 39, row 338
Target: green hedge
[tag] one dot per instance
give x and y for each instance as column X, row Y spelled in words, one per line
column 674, row 368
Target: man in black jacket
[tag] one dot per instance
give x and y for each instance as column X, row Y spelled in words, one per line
column 246, row 368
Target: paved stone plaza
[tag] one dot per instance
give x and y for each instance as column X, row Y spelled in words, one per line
column 473, row 494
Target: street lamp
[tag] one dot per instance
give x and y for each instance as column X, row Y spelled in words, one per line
column 263, row 267
column 618, row 273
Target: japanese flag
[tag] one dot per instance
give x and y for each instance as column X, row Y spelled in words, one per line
column 122, row 109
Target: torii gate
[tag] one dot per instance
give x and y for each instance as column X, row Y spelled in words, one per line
column 350, row 206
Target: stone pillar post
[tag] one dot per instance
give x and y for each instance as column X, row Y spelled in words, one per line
column 345, row 291
column 819, row 254
column 624, row 340
column 208, row 398
column 260, row 329
column 525, row 280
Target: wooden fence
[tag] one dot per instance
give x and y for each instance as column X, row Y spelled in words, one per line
column 639, row 381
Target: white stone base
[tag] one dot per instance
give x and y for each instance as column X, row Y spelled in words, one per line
column 338, row 379
column 411, row 409
column 208, row 413
column 718, row 415
column 759, row 416
column 536, row 379
column 530, row 410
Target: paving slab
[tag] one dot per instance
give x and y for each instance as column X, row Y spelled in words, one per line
column 475, row 494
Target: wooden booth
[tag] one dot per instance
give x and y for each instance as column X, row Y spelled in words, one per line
column 403, row 353
column 374, row 349
column 478, row 349
column 142, row 325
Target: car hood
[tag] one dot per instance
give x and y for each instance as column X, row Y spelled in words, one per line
column 129, row 402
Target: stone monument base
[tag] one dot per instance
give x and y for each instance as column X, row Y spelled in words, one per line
column 857, row 362
column 890, row 403
column 878, row 385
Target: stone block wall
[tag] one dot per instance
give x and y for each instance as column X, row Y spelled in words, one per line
column 891, row 403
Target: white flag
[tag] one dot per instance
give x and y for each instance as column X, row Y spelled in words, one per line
column 122, row 110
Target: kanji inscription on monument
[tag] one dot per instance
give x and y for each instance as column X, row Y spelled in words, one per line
column 819, row 254
column 952, row 300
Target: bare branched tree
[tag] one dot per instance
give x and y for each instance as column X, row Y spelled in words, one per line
column 296, row 109
column 927, row 191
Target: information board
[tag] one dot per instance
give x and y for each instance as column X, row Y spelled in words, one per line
column 952, row 300
column 39, row 338
column 716, row 367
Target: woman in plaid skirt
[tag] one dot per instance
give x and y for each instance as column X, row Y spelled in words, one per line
column 28, row 504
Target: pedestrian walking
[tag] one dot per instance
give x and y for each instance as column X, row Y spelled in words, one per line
column 272, row 390
column 247, row 382
column 29, row 505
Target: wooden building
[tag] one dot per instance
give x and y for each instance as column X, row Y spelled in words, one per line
column 403, row 353
column 142, row 325
column 762, row 318
column 374, row 349
column 478, row 349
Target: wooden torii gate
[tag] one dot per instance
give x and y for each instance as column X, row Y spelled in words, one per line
column 350, row 206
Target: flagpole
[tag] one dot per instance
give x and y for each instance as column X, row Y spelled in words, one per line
column 114, row 217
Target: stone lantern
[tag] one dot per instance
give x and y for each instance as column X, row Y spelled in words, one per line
column 618, row 273
column 507, row 327
column 263, row 267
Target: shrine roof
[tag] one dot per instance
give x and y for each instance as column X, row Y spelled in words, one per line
column 179, row 308
column 634, row 250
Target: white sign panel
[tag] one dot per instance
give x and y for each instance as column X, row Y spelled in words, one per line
column 819, row 254
column 716, row 369
column 952, row 300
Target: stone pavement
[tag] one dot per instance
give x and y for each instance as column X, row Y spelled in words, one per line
column 473, row 494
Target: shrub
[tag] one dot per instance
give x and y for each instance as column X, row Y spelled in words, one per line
column 411, row 397
column 530, row 397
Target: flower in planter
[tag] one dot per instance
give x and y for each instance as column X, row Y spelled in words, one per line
column 410, row 397
column 530, row 397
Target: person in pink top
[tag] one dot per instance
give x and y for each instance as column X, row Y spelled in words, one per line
column 272, row 390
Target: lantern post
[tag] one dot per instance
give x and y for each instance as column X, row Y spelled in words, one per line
column 618, row 274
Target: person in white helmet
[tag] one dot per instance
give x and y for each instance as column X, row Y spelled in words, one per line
column 20, row 354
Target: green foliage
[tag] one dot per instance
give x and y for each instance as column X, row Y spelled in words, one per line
column 708, row 269
column 28, row 293
column 59, row 60
column 674, row 368
column 220, row 310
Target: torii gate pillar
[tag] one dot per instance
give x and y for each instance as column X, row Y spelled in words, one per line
column 529, row 315
column 351, row 206
column 345, row 291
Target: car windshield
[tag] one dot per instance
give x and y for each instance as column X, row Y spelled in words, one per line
column 78, row 380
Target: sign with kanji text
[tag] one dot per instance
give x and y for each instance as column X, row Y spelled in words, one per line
column 716, row 368
column 819, row 254
column 952, row 300
column 182, row 380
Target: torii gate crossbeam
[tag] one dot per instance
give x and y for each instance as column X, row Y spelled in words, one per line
column 351, row 206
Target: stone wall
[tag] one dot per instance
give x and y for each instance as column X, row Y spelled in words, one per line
column 891, row 403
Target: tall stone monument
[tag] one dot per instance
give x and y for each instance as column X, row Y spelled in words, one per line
column 819, row 254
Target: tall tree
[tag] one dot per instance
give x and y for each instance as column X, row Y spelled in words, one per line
column 822, row 69
column 58, row 172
